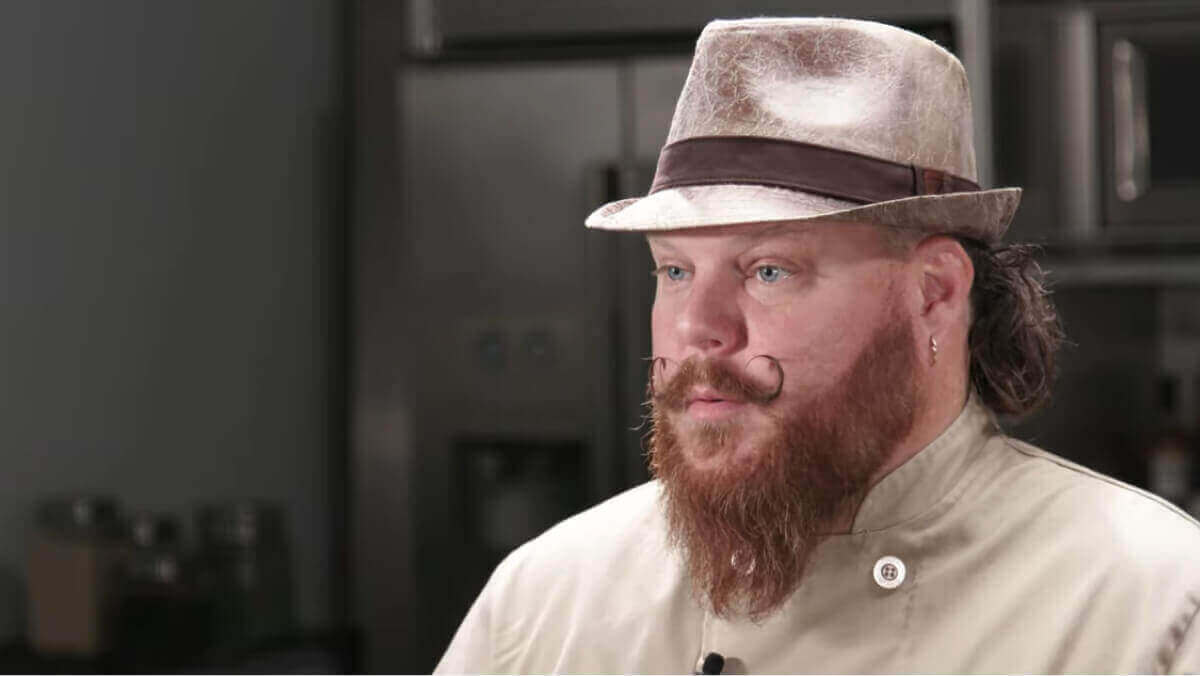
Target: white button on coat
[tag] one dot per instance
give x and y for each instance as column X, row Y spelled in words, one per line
column 889, row 572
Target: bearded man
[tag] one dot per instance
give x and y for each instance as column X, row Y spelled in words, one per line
column 835, row 327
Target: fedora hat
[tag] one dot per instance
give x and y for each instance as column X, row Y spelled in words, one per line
column 818, row 120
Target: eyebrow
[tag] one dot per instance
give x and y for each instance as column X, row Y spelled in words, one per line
column 784, row 229
column 787, row 229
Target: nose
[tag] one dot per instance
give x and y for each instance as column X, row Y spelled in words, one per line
column 710, row 322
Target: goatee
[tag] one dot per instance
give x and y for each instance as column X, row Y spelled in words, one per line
column 747, row 526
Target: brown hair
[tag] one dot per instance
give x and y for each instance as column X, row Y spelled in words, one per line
column 1015, row 330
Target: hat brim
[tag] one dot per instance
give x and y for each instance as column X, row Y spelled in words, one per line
column 983, row 215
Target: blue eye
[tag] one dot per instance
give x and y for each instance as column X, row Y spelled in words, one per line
column 673, row 272
column 769, row 273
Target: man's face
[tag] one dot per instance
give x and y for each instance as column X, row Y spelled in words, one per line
column 753, row 481
column 810, row 296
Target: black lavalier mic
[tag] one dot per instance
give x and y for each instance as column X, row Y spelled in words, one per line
column 713, row 664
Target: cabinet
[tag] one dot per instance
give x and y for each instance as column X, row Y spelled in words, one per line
column 1093, row 118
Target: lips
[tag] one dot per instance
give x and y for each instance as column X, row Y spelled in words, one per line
column 709, row 395
column 707, row 403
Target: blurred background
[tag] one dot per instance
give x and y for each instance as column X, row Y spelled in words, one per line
column 302, row 331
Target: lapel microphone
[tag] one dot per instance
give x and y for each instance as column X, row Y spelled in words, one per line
column 713, row 664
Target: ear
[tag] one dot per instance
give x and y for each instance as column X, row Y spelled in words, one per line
column 945, row 275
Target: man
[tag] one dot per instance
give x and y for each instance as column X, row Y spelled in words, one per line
column 836, row 322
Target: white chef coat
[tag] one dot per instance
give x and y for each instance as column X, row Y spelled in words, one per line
column 1011, row 560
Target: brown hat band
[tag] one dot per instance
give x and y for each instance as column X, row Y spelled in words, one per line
column 708, row 160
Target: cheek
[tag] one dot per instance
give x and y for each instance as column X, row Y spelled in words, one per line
column 660, row 329
column 819, row 339
column 805, row 325
column 666, row 337
column 805, row 348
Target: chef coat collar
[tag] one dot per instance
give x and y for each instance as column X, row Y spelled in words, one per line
column 927, row 477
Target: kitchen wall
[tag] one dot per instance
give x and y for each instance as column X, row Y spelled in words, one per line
column 167, row 210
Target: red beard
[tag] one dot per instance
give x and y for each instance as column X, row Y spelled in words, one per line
column 748, row 529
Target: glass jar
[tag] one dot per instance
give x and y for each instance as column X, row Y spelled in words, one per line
column 245, row 563
column 162, row 618
column 75, row 555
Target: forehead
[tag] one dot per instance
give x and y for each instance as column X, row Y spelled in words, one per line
column 812, row 238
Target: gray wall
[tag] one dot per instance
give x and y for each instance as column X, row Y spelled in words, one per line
column 166, row 218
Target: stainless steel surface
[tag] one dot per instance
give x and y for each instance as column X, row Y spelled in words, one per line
column 1077, row 89
column 382, row 462
column 440, row 23
column 494, row 174
column 1147, row 116
column 1074, row 44
column 1131, row 131
column 1124, row 271
column 973, row 31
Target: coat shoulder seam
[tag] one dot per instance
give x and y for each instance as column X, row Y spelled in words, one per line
column 1035, row 453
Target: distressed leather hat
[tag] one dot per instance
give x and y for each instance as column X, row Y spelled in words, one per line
column 819, row 120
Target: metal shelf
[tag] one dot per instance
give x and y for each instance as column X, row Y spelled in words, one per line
column 1124, row 271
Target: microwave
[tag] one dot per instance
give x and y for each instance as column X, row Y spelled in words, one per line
column 1095, row 110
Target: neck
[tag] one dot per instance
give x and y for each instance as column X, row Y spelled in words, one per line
column 941, row 408
column 945, row 401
